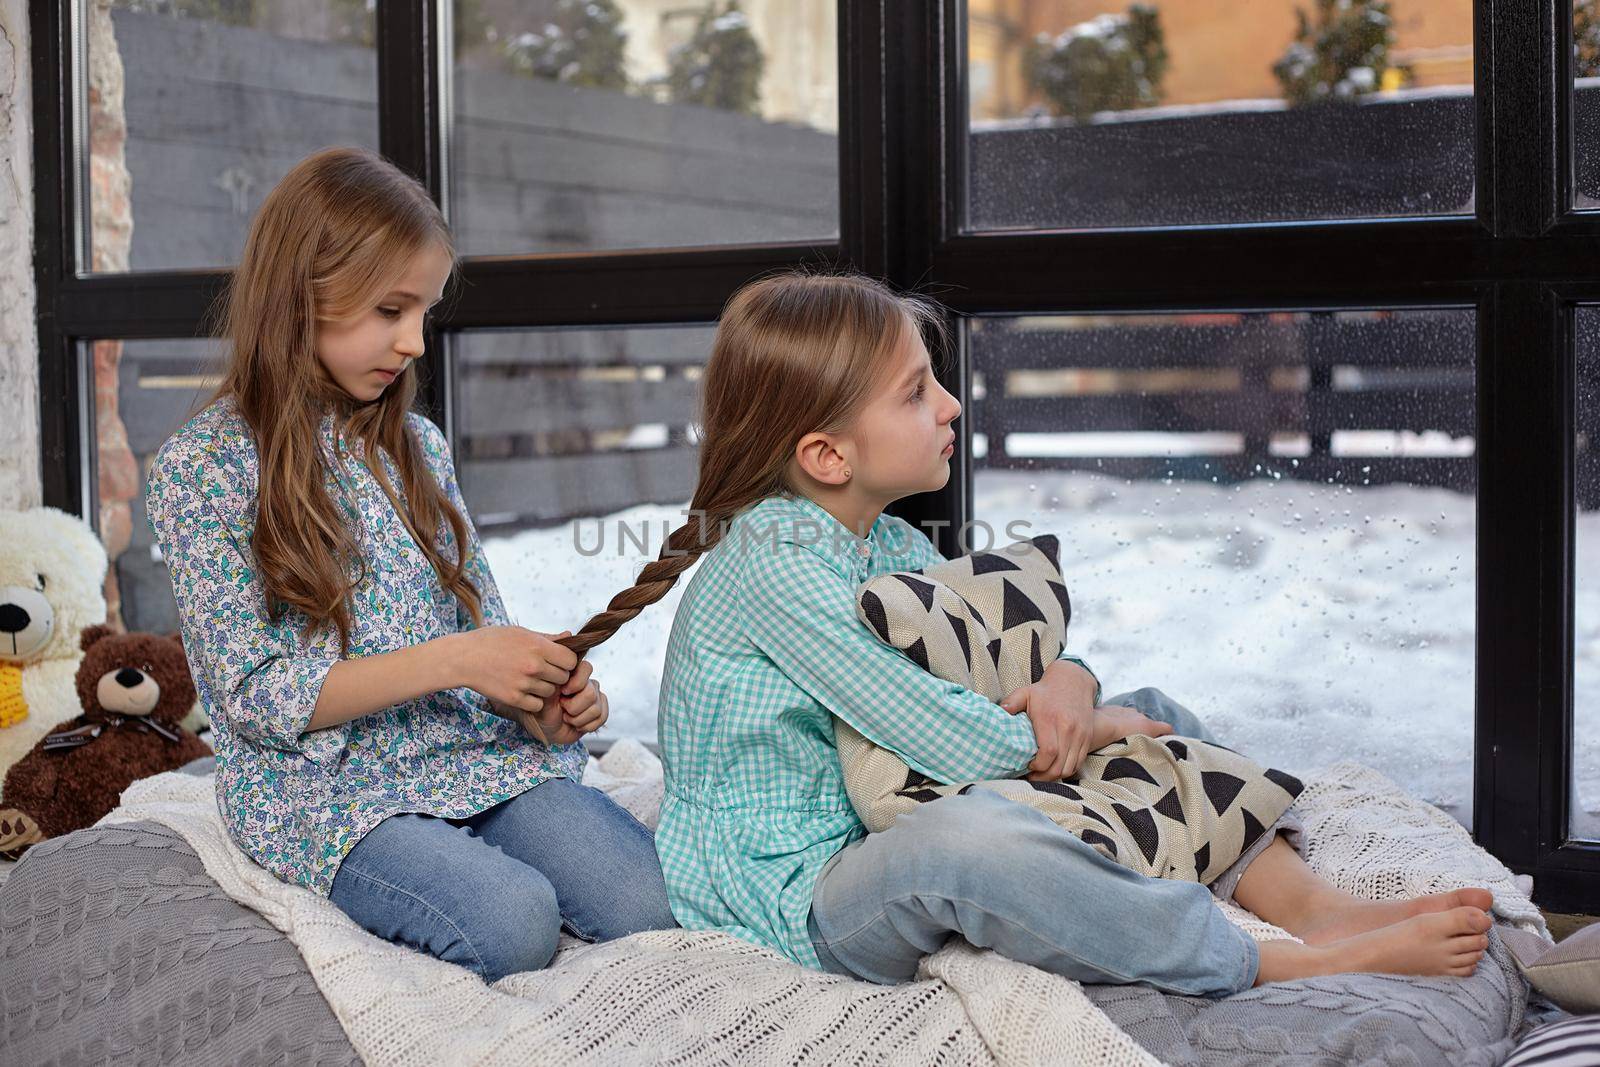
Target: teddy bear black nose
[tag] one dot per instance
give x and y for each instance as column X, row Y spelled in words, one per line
column 127, row 677
column 13, row 619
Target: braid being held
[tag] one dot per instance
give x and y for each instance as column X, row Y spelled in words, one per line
column 683, row 548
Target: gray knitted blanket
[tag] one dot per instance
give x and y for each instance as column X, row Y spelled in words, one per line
column 117, row 947
column 1342, row 1019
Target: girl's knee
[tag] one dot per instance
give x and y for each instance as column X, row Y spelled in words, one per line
column 959, row 843
column 946, row 841
column 952, row 821
column 523, row 938
column 1148, row 700
column 640, row 906
column 645, row 911
column 531, row 949
column 1152, row 703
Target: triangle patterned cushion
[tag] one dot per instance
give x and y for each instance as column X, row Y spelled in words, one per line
column 1171, row 807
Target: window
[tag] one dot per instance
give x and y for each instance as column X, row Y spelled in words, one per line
column 1375, row 270
column 1584, row 818
column 195, row 109
column 1296, row 487
column 643, row 124
column 1116, row 113
column 1586, row 103
column 143, row 392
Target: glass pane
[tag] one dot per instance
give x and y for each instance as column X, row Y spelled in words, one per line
column 576, row 456
column 1271, row 518
column 143, row 392
column 603, row 124
column 1585, row 819
column 1586, row 103
column 197, row 107
column 1096, row 113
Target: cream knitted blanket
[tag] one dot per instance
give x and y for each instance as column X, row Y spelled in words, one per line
column 705, row 998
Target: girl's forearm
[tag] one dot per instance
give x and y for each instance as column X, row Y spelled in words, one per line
column 1078, row 683
column 357, row 687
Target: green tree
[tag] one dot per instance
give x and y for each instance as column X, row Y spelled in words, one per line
column 1585, row 39
column 720, row 65
column 1110, row 63
column 353, row 22
column 470, row 27
column 1341, row 54
column 582, row 43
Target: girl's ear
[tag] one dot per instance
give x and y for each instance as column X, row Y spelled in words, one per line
column 819, row 456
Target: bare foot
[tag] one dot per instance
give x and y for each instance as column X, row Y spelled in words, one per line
column 1113, row 723
column 1335, row 918
column 1435, row 943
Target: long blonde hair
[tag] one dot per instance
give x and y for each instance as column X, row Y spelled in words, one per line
column 795, row 353
column 325, row 244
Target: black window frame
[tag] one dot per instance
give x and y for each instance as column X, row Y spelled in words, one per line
column 1522, row 262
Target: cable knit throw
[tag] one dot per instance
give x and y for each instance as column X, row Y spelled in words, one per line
column 703, row 998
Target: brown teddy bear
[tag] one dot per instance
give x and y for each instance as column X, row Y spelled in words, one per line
column 135, row 690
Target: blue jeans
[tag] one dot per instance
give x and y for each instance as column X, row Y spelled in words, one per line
column 1003, row 876
column 492, row 892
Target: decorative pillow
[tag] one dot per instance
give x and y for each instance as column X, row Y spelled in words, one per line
column 991, row 621
column 1166, row 807
column 1568, row 973
column 1569, row 1043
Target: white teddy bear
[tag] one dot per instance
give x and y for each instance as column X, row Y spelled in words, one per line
column 52, row 580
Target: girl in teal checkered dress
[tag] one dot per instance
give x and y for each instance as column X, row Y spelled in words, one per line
column 820, row 409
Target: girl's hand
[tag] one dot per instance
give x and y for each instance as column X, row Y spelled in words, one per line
column 1112, row 723
column 560, row 727
column 566, row 714
column 1063, row 732
column 1060, row 706
column 583, row 707
column 516, row 669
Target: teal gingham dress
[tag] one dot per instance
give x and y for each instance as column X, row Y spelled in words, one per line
column 295, row 801
column 765, row 649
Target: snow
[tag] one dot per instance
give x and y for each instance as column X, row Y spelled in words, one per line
column 1304, row 622
column 1362, row 78
column 1227, row 107
column 1102, row 27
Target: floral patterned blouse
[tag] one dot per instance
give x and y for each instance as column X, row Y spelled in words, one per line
column 295, row 800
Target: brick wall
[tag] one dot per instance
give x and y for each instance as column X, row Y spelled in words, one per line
column 111, row 236
column 19, row 343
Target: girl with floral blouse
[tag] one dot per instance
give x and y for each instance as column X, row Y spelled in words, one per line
column 384, row 735
column 820, row 409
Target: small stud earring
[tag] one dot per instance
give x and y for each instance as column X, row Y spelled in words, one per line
column 847, row 472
